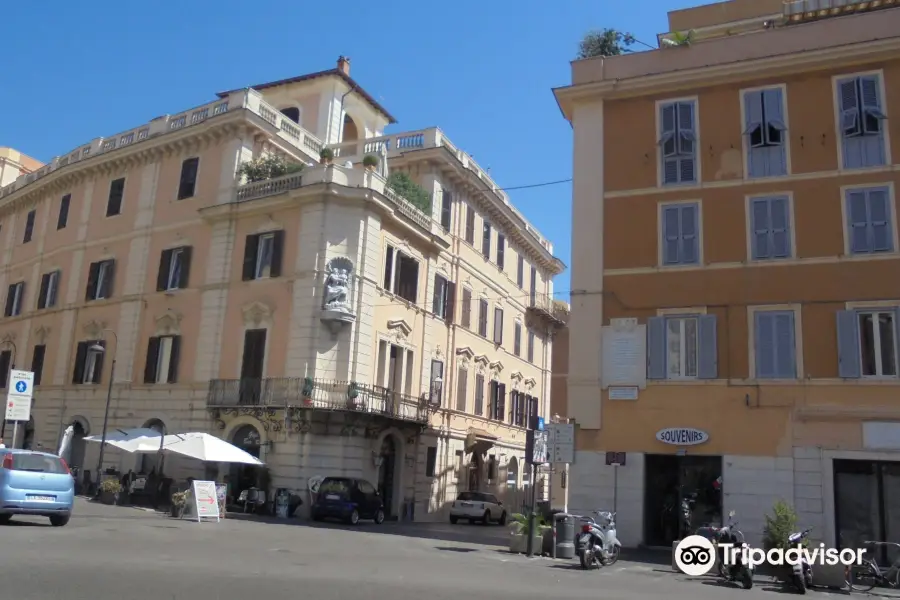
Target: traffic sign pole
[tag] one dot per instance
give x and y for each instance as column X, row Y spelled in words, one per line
column 18, row 400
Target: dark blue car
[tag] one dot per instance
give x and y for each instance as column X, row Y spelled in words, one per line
column 349, row 500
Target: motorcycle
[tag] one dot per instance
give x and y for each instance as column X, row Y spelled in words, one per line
column 740, row 572
column 598, row 544
column 801, row 572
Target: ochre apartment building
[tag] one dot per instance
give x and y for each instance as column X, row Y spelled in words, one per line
column 317, row 319
column 736, row 277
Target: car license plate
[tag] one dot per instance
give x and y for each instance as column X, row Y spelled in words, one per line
column 42, row 498
column 332, row 497
column 466, row 504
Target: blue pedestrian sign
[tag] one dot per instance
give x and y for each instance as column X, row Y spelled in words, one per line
column 21, row 387
column 19, row 396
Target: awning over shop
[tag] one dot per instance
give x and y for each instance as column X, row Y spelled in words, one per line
column 479, row 441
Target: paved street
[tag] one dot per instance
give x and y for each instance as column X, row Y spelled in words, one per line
column 116, row 552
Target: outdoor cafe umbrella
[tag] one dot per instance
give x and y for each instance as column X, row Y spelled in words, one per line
column 208, row 448
column 66, row 442
column 141, row 439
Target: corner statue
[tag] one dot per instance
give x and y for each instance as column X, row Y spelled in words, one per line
column 337, row 289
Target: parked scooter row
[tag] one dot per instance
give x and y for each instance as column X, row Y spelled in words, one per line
column 597, row 545
column 741, row 570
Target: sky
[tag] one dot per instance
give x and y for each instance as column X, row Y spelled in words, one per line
column 481, row 71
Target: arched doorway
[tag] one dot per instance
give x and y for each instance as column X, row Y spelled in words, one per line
column 242, row 477
column 292, row 113
column 77, row 445
column 350, row 132
column 387, row 474
column 149, row 463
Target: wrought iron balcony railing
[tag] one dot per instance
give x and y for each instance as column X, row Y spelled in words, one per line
column 317, row 394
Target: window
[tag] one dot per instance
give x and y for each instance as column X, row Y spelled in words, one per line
column 437, row 382
column 262, row 255
column 520, row 273
column 444, row 298
column 486, row 240
column 533, row 285
column 401, row 274
column 765, row 131
column 63, row 219
column 479, row 394
column 533, row 407
column 466, row 320
column 187, row 184
column 14, row 297
column 501, row 250
column 483, row 318
column 678, row 143
column 29, row 226
column 88, row 362
column 116, row 193
column 680, row 232
column 498, row 325
column 174, row 269
column 430, row 460
column 446, row 209
column 531, row 346
column 869, row 221
column 861, row 116
column 101, row 279
column 517, row 414
column 867, row 342
column 770, row 228
column 292, row 113
column 37, row 362
column 517, row 339
column 682, row 347
column 162, row 359
column 5, row 366
column 775, row 350
column 49, row 290
column 462, row 391
column 470, row 225
column 498, row 401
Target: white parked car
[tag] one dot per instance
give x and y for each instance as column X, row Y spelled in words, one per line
column 477, row 506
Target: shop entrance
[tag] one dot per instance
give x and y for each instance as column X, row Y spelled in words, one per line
column 681, row 494
column 866, row 506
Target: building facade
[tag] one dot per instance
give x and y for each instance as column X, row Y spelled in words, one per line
column 734, row 323
column 317, row 319
column 14, row 164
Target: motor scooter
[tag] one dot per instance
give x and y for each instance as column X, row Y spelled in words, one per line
column 741, row 571
column 598, row 544
column 801, row 571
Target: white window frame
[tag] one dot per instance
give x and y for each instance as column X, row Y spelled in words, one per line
column 174, row 282
column 164, row 358
column 102, row 274
column 263, row 268
column 682, row 320
column 92, row 360
column 838, row 117
column 18, row 289
column 785, row 137
column 876, row 335
column 661, row 239
column 52, row 289
column 660, row 168
column 751, row 342
column 792, row 230
column 845, row 218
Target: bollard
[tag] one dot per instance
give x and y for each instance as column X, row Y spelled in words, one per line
column 553, row 555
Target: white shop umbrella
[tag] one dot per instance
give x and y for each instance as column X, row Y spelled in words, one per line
column 141, row 439
column 208, row 448
column 66, row 441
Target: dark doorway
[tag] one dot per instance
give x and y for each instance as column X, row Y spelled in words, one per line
column 866, row 506
column 28, row 435
column 243, row 477
column 252, row 365
column 681, row 494
column 386, row 474
column 76, row 450
column 292, row 113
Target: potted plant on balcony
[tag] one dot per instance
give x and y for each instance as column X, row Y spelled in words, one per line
column 370, row 162
column 353, row 400
column 109, row 491
column 179, row 501
column 326, row 155
column 307, row 391
column 519, row 529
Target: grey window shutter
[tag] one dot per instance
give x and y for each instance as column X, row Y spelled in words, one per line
column 656, row 348
column 671, row 236
column 851, row 124
column 765, row 345
column 879, row 218
column 848, row 344
column 872, row 141
column 759, row 221
column 708, row 362
column 785, row 349
column 687, row 145
column 779, row 220
column 690, row 240
column 776, row 157
column 753, row 130
column 858, row 221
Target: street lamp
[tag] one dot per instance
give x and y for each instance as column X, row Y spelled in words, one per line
column 99, row 349
column 12, row 366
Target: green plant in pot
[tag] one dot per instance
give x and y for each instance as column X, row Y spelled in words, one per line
column 326, row 155
column 179, row 501
column 370, row 162
column 520, row 527
column 109, row 491
column 780, row 524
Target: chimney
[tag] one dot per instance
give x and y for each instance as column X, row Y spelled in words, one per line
column 343, row 65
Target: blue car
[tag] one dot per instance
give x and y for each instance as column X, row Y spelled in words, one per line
column 35, row 483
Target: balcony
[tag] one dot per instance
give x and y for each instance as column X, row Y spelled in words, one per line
column 318, row 395
column 552, row 313
column 249, row 100
column 799, row 11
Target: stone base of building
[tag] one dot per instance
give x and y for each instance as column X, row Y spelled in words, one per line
column 825, row 487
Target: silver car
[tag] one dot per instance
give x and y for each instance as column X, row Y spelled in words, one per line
column 477, row 506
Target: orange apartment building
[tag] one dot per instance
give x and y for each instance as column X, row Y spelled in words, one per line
column 317, row 318
column 734, row 328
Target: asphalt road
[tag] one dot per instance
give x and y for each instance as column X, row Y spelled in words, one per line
column 108, row 553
